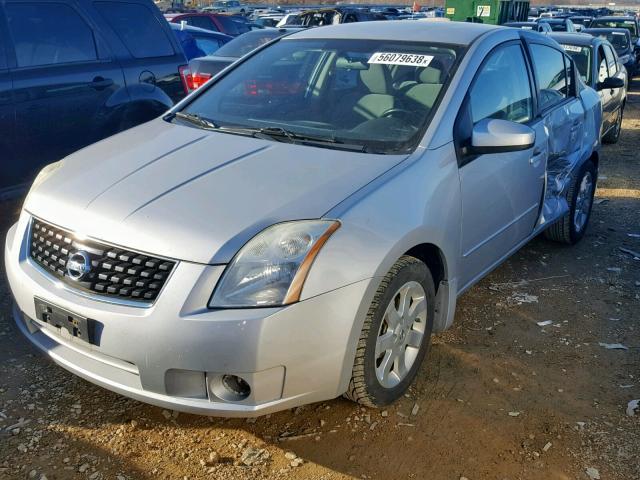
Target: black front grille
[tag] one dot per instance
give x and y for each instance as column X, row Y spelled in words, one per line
column 115, row 272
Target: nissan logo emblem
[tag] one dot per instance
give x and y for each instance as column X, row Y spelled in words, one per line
column 78, row 265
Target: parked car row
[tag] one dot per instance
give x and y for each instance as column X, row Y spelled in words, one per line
column 297, row 228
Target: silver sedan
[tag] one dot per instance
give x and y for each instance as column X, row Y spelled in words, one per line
column 298, row 228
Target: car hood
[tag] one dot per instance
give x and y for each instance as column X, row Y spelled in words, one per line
column 194, row 195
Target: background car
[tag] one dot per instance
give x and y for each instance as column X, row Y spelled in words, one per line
column 542, row 27
column 216, row 22
column 72, row 73
column 601, row 69
column 559, row 24
column 631, row 23
column 198, row 42
column 227, row 6
column 620, row 38
column 329, row 16
column 581, row 20
column 201, row 69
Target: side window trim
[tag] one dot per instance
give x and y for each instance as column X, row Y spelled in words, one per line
column 543, row 111
column 464, row 113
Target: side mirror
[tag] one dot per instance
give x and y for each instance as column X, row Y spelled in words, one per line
column 611, row 82
column 497, row 136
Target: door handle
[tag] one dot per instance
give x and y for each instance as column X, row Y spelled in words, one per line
column 100, row 83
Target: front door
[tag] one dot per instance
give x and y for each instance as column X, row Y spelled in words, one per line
column 501, row 192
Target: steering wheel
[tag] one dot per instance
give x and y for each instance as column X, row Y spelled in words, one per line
column 393, row 112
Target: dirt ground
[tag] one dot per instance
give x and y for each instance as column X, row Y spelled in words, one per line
column 498, row 397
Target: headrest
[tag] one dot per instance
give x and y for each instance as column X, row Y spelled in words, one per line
column 376, row 78
column 430, row 75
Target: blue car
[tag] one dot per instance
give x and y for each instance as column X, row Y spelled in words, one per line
column 198, row 42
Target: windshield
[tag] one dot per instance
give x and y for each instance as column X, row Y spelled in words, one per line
column 628, row 24
column 378, row 95
column 619, row 40
column 582, row 58
column 242, row 45
column 557, row 26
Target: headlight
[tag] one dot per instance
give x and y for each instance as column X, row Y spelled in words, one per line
column 271, row 268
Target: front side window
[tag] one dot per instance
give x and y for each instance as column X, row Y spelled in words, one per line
column 49, row 34
column 137, row 27
column 512, row 100
column 611, row 60
column 340, row 92
column 549, row 67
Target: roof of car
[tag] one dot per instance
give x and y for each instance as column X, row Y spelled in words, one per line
column 612, row 18
column 580, row 39
column 458, row 33
column 606, row 30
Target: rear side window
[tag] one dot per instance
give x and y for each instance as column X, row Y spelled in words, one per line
column 49, row 34
column 549, row 65
column 200, row 22
column 231, row 26
column 207, row 45
column 137, row 27
column 512, row 100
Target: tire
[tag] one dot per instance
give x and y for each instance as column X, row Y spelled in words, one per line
column 411, row 276
column 613, row 135
column 568, row 230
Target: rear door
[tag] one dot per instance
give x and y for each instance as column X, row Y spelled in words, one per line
column 147, row 48
column 9, row 163
column 561, row 111
column 501, row 192
column 63, row 80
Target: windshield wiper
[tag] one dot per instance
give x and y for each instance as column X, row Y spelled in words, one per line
column 293, row 137
column 272, row 133
column 197, row 120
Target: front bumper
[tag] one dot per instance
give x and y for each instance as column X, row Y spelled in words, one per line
column 172, row 353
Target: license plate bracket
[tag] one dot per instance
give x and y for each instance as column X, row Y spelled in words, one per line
column 77, row 325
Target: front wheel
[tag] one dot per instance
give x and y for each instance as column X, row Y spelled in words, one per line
column 571, row 228
column 395, row 336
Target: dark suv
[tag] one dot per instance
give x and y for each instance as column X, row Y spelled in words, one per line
column 75, row 71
